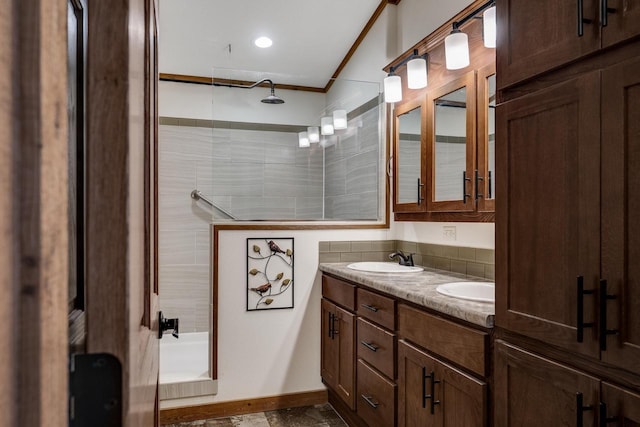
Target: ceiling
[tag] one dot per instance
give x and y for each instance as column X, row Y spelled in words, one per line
column 310, row 38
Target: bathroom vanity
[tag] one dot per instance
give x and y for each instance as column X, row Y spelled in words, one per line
column 397, row 352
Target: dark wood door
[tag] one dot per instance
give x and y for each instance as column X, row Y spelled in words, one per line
column 534, row 38
column 338, row 356
column 433, row 393
column 621, row 212
column 547, row 227
column 122, row 305
column 413, row 408
column 622, row 21
column 619, row 404
column 533, row 391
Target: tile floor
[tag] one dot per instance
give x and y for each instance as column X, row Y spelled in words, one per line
column 306, row 416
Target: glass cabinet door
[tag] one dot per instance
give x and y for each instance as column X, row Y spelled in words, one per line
column 409, row 150
column 451, row 113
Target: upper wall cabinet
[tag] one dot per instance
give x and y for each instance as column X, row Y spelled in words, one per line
column 576, row 28
column 443, row 140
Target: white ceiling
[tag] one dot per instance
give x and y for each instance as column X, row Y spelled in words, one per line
column 310, row 38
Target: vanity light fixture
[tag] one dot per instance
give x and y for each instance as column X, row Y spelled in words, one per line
column 416, row 77
column 339, row 119
column 326, row 125
column 313, row 132
column 489, row 27
column 456, row 44
column 303, row 139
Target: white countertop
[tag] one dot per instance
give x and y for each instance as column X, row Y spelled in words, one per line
column 420, row 288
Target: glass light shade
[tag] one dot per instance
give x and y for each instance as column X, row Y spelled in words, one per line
column 303, row 140
column 326, row 124
column 489, row 27
column 417, row 73
column 313, row 132
column 340, row 119
column 456, row 50
column 392, row 89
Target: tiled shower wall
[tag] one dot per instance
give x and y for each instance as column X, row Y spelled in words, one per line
column 352, row 170
column 184, row 158
column 472, row 261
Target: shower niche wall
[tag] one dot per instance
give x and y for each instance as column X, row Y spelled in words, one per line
column 244, row 157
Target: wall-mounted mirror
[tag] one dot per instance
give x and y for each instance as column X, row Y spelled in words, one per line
column 450, row 160
column 409, row 155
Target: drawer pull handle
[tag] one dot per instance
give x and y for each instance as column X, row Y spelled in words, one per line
column 425, row 396
column 370, row 307
column 369, row 400
column 370, row 346
column 580, row 408
column 580, row 321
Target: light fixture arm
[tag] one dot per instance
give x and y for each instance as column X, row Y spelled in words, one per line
column 472, row 14
column 414, row 55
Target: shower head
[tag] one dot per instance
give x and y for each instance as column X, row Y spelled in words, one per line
column 271, row 99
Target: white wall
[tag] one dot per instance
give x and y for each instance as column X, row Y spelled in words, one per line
column 267, row 353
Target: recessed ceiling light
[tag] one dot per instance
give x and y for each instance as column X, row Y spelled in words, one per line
column 263, row 42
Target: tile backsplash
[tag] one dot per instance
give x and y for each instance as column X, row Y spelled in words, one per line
column 472, row 261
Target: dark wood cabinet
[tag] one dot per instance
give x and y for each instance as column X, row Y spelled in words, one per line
column 536, row 38
column 620, row 210
column 392, row 377
column 338, row 356
column 568, row 218
column 534, row 391
column 584, row 133
column 549, row 233
column 433, row 393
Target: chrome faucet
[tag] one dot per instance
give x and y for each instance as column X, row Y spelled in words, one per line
column 402, row 258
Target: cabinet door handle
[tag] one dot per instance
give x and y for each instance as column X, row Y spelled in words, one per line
column 334, row 331
column 604, row 332
column 605, row 10
column 478, row 179
column 603, row 419
column 581, row 19
column 580, row 409
column 330, row 324
column 432, row 398
column 370, row 346
column 581, row 324
column 370, row 307
column 464, row 187
column 370, row 401
column 420, row 185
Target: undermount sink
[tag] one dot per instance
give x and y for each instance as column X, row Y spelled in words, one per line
column 473, row 291
column 383, row 267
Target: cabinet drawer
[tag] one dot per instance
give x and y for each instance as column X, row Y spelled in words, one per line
column 462, row 345
column 376, row 346
column 339, row 291
column 375, row 398
column 377, row 308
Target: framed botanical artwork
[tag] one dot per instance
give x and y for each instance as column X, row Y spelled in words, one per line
column 269, row 273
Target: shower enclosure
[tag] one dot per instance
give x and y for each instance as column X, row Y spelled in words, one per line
column 245, row 160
